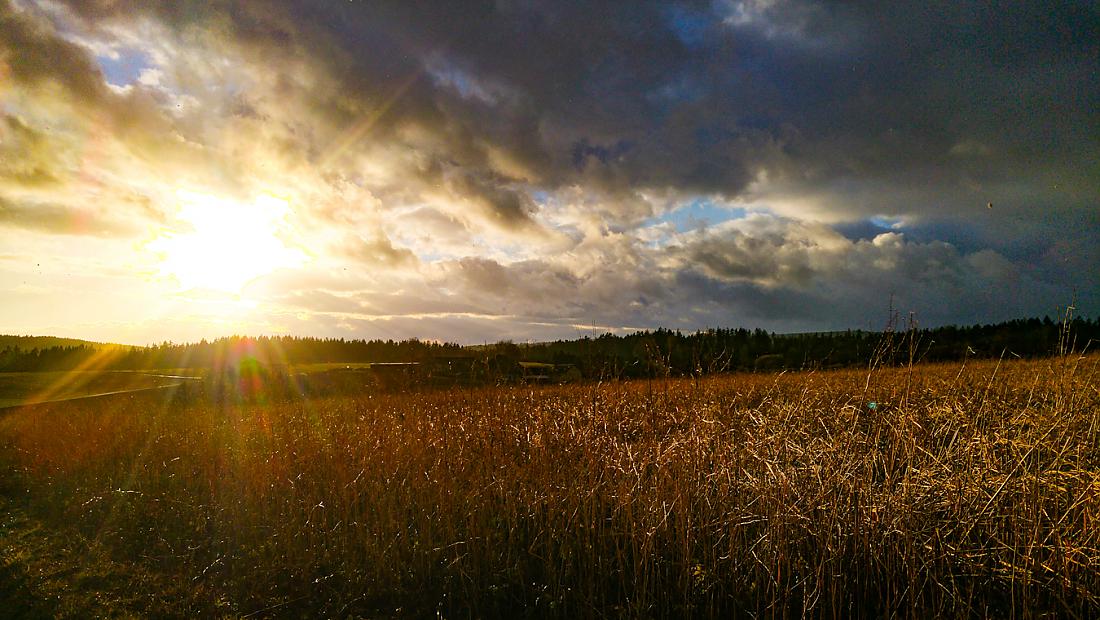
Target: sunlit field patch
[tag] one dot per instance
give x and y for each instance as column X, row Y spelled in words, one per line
column 18, row 388
column 966, row 490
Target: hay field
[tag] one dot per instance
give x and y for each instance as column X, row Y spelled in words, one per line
column 939, row 490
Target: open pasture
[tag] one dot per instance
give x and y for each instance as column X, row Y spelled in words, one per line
column 938, row 490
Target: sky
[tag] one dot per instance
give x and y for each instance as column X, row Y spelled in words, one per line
column 529, row 170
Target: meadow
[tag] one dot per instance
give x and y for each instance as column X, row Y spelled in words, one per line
column 949, row 490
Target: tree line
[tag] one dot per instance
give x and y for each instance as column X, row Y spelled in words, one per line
column 272, row 351
column 670, row 352
column 660, row 352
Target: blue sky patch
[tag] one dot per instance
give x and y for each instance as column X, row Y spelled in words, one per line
column 125, row 69
column 698, row 213
column 466, row 85
column 690, row 27
column 886, row 223
column 860, row 230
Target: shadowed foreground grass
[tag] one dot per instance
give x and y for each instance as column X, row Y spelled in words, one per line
column 964, row 490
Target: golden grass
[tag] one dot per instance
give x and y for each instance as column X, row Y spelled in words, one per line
column 966, row 490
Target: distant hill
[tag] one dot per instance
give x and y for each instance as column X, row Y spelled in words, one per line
column 29, row 343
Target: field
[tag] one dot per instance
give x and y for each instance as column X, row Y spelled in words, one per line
column 966, row 489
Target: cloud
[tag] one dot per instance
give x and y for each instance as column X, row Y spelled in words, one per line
column 504, row 163
column 631, row 103
column 60, row 219
column 33, row 56
column 763, row 271
column 377, row 251
column 27, row 157
column 503, row 206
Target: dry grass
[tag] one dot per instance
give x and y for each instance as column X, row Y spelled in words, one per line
column 966, row 491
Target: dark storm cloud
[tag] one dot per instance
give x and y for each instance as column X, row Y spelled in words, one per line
column 35, row 56
column 701, row 96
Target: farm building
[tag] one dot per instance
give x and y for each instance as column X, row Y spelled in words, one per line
column 536, row 372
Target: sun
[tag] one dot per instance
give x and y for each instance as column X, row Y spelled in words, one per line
column 225, row 244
